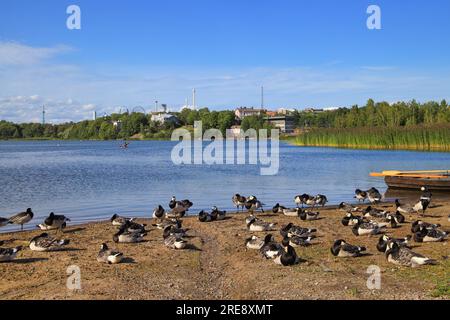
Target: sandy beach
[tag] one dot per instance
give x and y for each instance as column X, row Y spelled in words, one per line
column 218, row 266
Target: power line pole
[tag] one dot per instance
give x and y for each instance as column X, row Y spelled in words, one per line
column 43, row 115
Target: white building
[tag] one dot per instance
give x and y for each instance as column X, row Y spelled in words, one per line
column 243, row 112
column 165, row 118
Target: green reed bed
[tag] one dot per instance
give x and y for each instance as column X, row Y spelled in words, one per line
column 425, row 138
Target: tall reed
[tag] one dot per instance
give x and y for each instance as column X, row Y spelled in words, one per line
column 422, row 137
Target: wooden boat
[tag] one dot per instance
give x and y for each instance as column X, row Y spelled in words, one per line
column 437, row 180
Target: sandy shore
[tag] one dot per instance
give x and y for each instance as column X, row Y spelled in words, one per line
column 218, row 266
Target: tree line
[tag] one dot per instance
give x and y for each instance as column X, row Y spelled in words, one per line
column 131, row 124
column 381, row 114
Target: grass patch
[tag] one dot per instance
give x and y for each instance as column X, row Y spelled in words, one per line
column 441, row 290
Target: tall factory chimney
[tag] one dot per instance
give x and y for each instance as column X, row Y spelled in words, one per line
column 262, row 97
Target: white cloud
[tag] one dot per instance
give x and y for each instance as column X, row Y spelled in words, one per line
column 72, row 92
column 88, row 107
column 14, row 53
column 378, row 68
column 29, row 109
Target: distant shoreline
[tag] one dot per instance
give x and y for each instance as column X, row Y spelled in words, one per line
column 291, row 140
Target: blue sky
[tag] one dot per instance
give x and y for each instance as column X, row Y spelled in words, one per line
column 305, row 53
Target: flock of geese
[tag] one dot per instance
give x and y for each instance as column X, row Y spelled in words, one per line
column 362, row 221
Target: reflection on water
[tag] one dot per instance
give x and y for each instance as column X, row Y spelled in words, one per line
column 94, row 179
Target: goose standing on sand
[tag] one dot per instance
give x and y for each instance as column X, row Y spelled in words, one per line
column 421, row 206
column 117, row 220
column 374, row 195
column 360, row 195
column 426, row 194
column 173, row 240
column 4, row 222
column 22, row 218
column 8, row 254
column 217, row 214
column 254, row 224
column 298, row 200
column 180, row 206
column 309, row 215
column 320, row 200
column 109, row 256
column 124, row 236
column 430, row 235
column 54, row 221
column 204, row 216
column 270, row 249
column 158, row 212
column 173, row 202
column 44, row 242
column 384, row 240
column 368, row 228
column 252, row 204
column 304, row 199
column 239, row 201
column 343, row 249
column 288, row 256
column 403, row 256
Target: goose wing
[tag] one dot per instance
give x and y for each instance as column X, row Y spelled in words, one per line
column 300, row 241
column 271, row 250
column 368, row 225
column 435, row 233
column 46, row 242
column 405, row 255
column 261, row 223
column 300, row 231
column 17, row 218
column 7, row 251
column 351, row 248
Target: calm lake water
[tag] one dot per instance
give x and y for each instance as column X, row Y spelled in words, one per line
column 92, row 180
